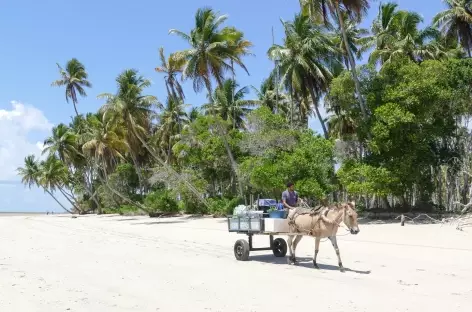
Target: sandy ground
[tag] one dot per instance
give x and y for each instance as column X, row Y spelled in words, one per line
column 56, row 263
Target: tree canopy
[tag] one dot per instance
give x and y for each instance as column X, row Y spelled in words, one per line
column 396, row 134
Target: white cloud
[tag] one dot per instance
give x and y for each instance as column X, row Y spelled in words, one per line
column 15, row 127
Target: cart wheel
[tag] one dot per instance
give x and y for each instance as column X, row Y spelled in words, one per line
column 241, row 250
column 280, row 247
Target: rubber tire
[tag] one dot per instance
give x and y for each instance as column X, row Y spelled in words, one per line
column 279, row 248
column 241, row 250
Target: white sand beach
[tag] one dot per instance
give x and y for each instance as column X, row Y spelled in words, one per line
column 112, row 263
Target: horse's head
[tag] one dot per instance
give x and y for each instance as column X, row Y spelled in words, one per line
column 350, row 217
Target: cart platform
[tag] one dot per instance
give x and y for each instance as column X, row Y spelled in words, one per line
column 255, row 225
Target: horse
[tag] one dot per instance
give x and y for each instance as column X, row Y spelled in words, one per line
column 321, row 223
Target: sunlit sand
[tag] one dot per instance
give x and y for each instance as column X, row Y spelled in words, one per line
column 111, row 263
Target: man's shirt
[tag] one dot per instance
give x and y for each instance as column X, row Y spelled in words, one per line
column 290, row 198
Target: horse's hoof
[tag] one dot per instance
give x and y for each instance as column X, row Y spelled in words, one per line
column 342, row 270
column 316, row 266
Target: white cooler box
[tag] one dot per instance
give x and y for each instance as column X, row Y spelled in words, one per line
column 273, row 225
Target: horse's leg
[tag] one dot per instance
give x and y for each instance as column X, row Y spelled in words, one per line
column 334, row 241
column 295, row 243
column 317, row 248
column 289, row 243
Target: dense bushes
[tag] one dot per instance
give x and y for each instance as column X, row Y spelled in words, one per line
column 222, row 206
column 162, row 201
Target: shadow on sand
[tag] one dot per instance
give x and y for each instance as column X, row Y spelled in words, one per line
column 377, row 221
column 304, row 262
column 159, row 222
column 127, row 219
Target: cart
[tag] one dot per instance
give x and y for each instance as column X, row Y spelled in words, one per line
column 250, row 226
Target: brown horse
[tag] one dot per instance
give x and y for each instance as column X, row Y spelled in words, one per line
column 322, row 223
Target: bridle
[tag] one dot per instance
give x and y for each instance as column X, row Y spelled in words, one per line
column 341, row 218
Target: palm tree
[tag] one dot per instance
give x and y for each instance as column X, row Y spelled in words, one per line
column 62, row 143
column 357, row 39
column 31, row 174
column 131, row 107
column 304, row 62
column 354, row 9
column 78, row 125
column 133, row 110
column 268, row 96
column 237, row 44
column 74, row 78
column 456, row 22
column 171, row 67
column 228, row 102
column 55, row 176
column 83, row 166
column 396, row 35
column 103, row 146
column 211, row 49
column 171, row 122
column 194, row 113
column 104, row 142
column 341, row 124
column 383, row 28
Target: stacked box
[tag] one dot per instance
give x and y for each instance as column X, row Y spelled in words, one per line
column 275, row 225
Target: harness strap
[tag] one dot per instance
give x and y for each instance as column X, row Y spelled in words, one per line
column 318, row 210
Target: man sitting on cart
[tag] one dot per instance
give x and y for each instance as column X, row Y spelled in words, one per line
column 290, row 197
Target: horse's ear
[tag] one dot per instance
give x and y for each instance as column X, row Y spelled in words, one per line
column 352, row 204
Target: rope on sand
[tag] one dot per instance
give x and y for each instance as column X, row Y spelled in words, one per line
column 461, row 221
column 417, row 217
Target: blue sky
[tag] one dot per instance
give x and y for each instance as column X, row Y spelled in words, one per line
column 108, row 37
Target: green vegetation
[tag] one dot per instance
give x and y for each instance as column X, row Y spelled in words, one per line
column 397, row 126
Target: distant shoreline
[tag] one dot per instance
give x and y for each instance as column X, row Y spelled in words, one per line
column 24, row 213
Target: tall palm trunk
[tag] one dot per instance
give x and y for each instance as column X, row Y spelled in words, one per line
column 103, row 178
column 315, row 104
column 228, row 149
column 57, row 201
column 69, row 199
column 74, row 101
column 76, row 111
column 138, row 171
column 89, row 187
column 323, row 126
column 134, row 156
column 169, row 150
column 169, row 168
column 232, row 94
column 352, row 62
column 126, row 199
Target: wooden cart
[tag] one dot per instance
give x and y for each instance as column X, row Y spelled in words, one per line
column 250, row 226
